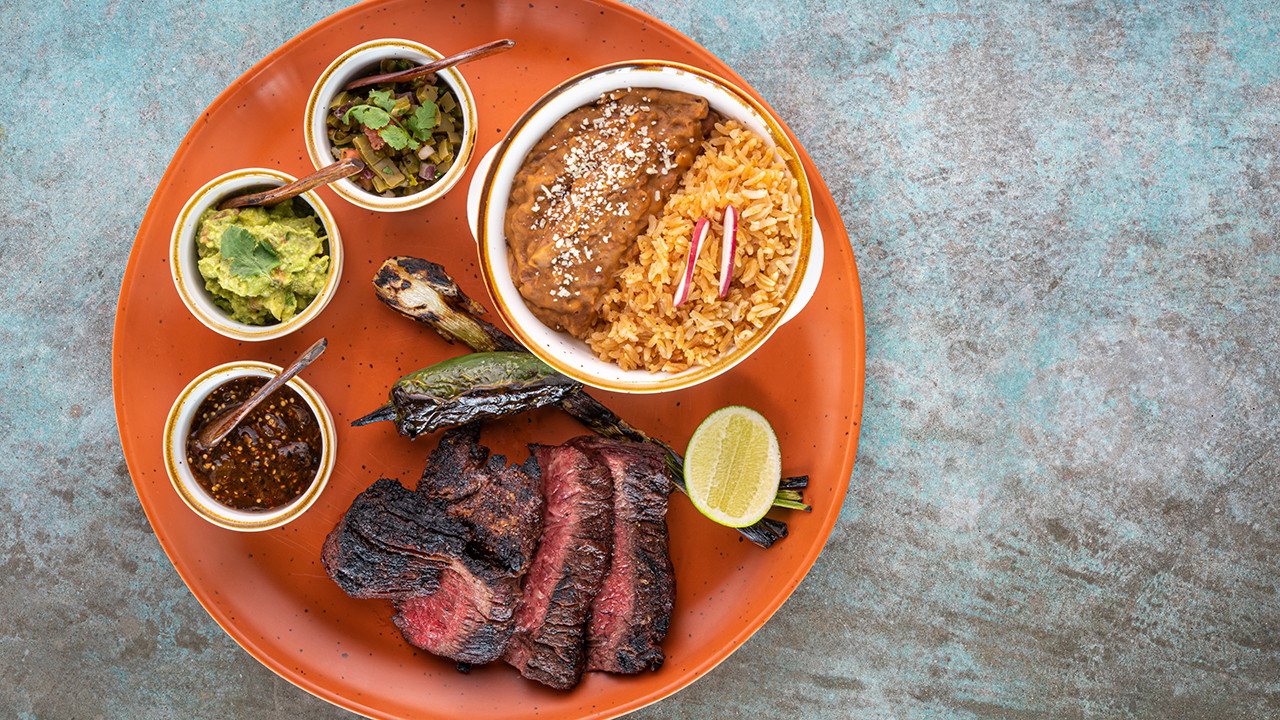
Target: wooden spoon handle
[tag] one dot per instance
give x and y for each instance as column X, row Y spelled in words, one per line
column 213, row 433
column 474, row 53
column 323, row 176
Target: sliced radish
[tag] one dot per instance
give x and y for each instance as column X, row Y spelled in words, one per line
column 728, row 248
column 700, row 231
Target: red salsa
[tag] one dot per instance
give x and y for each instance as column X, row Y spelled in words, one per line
column 268, row 460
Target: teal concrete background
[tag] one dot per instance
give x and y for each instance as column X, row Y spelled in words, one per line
column 1066, row 216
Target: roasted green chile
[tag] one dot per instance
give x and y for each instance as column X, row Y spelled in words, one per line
column 422, row 290
column 468, row 388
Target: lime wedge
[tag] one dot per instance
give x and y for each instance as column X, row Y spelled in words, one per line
column 733, row 466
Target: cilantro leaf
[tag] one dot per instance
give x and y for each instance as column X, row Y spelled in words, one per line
column 249, row 256
column 383, row 99
column 421, row 120
column 396, row 137
column 371, row 117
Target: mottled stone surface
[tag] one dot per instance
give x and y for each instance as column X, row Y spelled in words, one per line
column 1066, row 217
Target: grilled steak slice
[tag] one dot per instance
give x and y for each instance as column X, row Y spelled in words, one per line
column 468, row 619
column 500, row 504
column 630, row 616
column 391, row 543
column 451, row 469
column 568, row 568
column 451, row 553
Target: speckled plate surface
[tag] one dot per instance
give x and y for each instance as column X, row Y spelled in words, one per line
column 269, row 590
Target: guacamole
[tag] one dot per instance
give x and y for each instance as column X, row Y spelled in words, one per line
column 262, row 264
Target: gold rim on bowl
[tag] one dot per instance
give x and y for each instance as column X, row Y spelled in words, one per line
column 643, row 382
column 190, row 284
column 178, row 425
column 330, row 83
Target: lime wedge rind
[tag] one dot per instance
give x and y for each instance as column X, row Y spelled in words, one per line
column 733, row 466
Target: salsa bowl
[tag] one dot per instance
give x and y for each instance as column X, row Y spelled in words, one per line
column 183, row 419
column 364, row 60
column 491, row 194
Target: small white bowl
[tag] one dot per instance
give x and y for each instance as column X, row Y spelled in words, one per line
column 361, row 61
column 490, row 189
column 178, row 426
column 183, row 257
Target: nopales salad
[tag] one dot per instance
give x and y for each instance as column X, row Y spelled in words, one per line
column 407, row 133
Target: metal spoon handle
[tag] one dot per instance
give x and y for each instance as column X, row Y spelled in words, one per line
column 213, row 433
column 474, row 53
column 323, row 176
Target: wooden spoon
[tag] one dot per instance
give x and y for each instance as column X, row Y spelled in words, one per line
column 226, row 421
column 323, row 176
column 474, row 53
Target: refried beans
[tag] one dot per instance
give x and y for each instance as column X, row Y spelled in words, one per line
column 586, row 190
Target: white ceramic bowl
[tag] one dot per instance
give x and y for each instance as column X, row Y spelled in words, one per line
column 183, row 257
column 361, row 61
column 178, row 427
column 491, row 186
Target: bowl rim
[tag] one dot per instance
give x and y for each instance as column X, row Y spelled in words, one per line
column 636, row 381
column 178, row 424
column 318, row 145
column 181, row 268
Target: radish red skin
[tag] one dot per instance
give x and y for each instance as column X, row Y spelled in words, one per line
column 728, row 249
column 700, row 231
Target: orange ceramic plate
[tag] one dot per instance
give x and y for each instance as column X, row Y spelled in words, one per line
column 268, row 590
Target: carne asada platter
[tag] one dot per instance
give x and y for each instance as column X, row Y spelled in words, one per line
column 271, row 590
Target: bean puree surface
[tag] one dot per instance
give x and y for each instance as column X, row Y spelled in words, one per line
column 585, row 193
